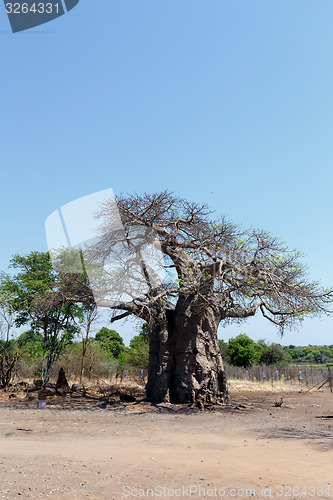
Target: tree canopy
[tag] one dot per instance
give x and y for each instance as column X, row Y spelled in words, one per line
column 238, row 270
column 274, row 354
column 243, row 351
column 110, row 341
column 47, row 301
column 214, row 271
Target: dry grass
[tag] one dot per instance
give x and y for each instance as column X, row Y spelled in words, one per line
column 132, row 387
column 111, row 386
column 268, row 386
column 128, row 387
column 137, row 386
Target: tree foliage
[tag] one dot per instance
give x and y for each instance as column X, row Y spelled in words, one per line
column 274, row 354
column 8, row 353
column 142, row 338
column 243, row 351
column 89, row 316
column 110, row 341
column 47, row 302
column 310, row 354
column 138, row 353
column 28, row 338
column 238, row 270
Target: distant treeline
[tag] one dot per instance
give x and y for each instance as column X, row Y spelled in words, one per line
column 243, row 351
column 310, row 353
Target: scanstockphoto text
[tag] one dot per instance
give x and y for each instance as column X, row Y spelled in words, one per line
column 186, row 491
column 280, row 491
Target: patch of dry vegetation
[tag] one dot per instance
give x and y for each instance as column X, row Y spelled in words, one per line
column 268, row 386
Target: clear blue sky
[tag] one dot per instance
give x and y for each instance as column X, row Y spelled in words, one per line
column 224, row 101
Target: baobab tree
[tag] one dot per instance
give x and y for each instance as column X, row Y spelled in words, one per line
column 214, row 272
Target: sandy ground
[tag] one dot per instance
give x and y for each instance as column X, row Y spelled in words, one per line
column 83, row 448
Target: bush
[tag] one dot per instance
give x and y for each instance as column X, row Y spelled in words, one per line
column 243, row 351
column 110, row 341
column 97, row 360
column 137, row 355
column 274, row 354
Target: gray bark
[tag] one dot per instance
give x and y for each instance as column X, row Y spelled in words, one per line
column 160, row 367
column 185, row 364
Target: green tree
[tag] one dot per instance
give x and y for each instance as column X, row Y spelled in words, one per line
column 89, row 316
column 313, row 355
column 47, row 301
column 274, row 354
column 8, row 352
column 138, row 352
column 243, row 351
column 141, row 338
column 110, row 341
column 28, row 338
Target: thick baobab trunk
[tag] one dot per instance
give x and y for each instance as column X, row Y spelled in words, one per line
column 160, row 360
column 185, row 364
column 199, row 374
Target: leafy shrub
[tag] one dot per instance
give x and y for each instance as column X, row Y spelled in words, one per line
column 243, row 351
column 110, row 341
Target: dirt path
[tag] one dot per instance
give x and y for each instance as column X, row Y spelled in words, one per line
column 249, row 449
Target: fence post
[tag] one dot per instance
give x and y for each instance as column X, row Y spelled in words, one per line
column 300, row 375
column 330, row 377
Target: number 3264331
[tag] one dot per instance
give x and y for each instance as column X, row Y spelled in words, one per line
column 35, row 8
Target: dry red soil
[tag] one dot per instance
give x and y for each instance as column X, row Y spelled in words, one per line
column 80, row 447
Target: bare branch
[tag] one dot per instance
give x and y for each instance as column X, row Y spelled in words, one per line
column 234, row 269
column 120, row 316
